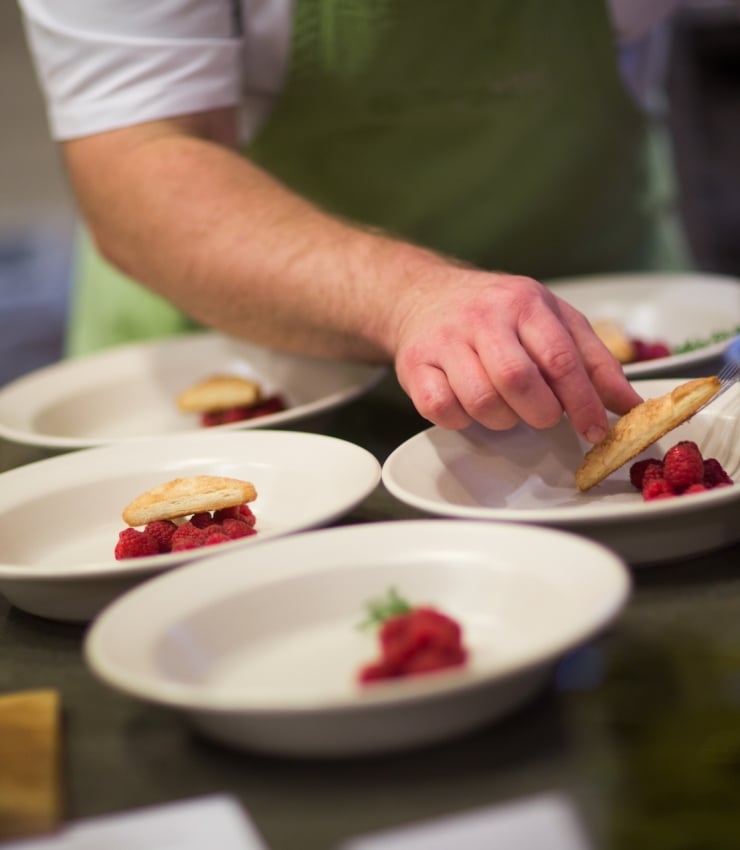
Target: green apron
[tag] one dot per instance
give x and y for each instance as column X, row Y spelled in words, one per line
column 495, row 131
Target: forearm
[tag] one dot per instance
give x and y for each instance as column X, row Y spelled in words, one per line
column 237, row 251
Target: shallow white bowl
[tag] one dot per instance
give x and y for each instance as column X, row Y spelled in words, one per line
column 528, row 476
column 670, row 307
column 261, row 649
column 60, row 517
column 130, row 391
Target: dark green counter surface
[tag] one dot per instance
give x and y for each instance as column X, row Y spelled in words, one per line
column 641, row 727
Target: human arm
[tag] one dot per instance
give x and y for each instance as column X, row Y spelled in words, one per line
column 172, row 204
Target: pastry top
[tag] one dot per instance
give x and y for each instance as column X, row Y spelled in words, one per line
column 641, row 427
column 219, row 392
column 184, row 496
column 614, row 338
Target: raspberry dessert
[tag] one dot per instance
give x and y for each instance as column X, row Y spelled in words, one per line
column 413, row 640
column 187, row 513
column 202, row 529
column 681, row 471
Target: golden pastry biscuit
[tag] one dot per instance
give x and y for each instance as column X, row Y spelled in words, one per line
column 614, row 338
column 641, row 427
column 184, row 496
column 219, row 392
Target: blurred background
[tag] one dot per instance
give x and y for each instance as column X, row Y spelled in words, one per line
column 698, row 60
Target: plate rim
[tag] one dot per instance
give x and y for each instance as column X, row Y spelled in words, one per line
column 112, row 570
column 598, row 515
column 663, row 365
column 375, row 374
column 440, row 686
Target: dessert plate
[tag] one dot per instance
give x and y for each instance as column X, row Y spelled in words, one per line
column 528, row 476
column 675, row 308
column 131, row 390
column 263, row 653
column 60, row 517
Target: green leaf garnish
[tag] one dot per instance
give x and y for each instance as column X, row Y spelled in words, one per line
column 380, row 610
column 712, row 339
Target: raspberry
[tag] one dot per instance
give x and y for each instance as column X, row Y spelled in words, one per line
column 202, row 520
column 695, row 488
column 645, row 470
column 246, row 515
column 162, row 530
column 187, row 536
column 271, row 404
column 419, row 641
column 235, row 528
column 235, row 414
column 135, row 544
column 221, row 514
column 714, row 474
column 658, row 488
column 211, row 418
column 213, row 535
column 683, row 465
column 649, row 350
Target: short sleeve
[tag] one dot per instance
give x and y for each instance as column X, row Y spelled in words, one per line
column 106, row 64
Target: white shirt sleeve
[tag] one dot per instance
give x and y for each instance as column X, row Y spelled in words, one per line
column 103, row 64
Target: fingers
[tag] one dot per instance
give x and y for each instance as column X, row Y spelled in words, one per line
column 427, row 386
column 517, row 354
column 604, row 371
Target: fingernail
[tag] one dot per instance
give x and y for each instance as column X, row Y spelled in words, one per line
column 595, row 434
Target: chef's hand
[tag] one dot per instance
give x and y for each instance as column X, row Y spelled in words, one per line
column 497, row 348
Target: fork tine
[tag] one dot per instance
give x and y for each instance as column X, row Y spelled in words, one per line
column 729, row 372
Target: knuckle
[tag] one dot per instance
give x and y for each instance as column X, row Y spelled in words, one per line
column 560, row 363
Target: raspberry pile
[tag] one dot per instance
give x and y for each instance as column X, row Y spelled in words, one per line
column 271, row 404
column 681, row 471
column 415, row 640
column 649, row 350
column 208, row 528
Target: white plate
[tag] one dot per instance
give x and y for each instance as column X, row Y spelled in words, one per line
column 528, row 476
column 131, row 390
column 672, row 308
column 262, row 653
column 60, row 517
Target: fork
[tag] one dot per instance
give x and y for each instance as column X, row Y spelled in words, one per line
column 728, row 376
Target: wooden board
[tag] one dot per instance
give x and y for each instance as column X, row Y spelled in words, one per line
column 30, row 797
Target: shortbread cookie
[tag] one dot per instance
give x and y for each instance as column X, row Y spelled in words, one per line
column 641, row 427
column 219, row 392
column 184, row 496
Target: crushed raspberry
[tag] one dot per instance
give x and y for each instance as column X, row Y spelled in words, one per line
column 162, row 531
column 714, row 473
column 683, row 465
column 645, row 470
column 135, row 544
column 419, row 641
column 658, row 488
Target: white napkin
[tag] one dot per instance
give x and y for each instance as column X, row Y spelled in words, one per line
column 195, row 824
column 545, row 822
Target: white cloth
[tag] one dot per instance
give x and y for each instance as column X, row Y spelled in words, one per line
column 104, row 64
